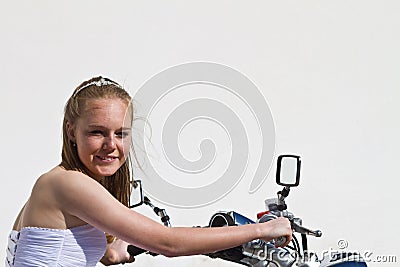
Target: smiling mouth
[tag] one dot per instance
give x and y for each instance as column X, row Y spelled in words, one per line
column 106, row 158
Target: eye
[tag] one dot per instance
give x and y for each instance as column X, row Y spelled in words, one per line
column 122, row 134
column 96, row 132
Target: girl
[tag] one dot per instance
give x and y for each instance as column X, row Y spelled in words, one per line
column 73, row 205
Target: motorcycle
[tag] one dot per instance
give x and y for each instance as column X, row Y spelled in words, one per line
column 258, row 253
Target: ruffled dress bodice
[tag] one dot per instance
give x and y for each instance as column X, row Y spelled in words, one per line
column 78, row 246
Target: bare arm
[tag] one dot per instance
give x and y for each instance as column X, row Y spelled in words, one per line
column 84, row 198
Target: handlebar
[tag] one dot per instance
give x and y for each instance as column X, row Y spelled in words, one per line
column 134, row 251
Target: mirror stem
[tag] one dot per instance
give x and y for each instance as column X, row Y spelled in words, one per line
column 281, row 198
column 160, row 212
column 284, row 193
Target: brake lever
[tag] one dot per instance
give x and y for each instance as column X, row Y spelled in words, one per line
column 302, row 230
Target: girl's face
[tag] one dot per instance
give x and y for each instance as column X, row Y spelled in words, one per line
column 103, row 136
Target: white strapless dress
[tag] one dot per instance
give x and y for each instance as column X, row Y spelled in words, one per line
column 33, row 246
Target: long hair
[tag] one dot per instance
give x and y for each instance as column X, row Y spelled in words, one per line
column 117, row 184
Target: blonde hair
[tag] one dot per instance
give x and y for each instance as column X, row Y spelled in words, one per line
column 117, row 184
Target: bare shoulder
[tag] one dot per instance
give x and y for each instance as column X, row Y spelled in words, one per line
column 64, row 189
column 66, row 182
column 59, row 179
column 72, row 189
column 63, row 197
column 51, row 198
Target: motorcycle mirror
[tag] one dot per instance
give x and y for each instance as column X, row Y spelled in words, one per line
column 136, row 197
column 288, row 170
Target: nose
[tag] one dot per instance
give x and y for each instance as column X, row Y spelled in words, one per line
column 109, row 143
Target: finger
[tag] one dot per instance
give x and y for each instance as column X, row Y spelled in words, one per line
column 131, row 259
column 288, row 239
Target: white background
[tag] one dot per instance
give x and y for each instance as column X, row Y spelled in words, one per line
column 328, row 69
